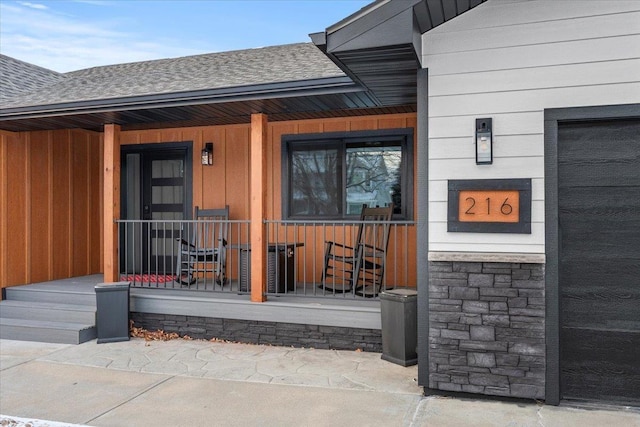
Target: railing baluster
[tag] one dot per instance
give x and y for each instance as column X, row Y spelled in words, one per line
column 122, row 234
column 173, row 269
column 141, row 254
column 324, row 238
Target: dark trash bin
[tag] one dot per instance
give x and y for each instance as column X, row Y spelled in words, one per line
column 112, row 312
column 399, row 309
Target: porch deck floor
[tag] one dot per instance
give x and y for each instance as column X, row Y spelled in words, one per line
column 81, row 284
column 207, row 290
column 341, row 310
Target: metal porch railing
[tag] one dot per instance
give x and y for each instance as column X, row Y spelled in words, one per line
column 167, row 255
column 298, row 266
column 151, row 256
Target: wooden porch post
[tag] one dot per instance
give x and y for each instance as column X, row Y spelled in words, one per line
column 4, row 203
column 257, row 231
column 111, row 201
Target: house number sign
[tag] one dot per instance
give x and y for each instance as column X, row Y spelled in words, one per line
column 489, row 206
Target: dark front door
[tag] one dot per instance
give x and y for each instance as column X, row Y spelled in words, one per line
column 162, row 201
column 599, row 277
column 156, row 190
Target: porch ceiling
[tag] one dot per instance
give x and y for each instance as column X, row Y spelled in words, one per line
column 331, row 97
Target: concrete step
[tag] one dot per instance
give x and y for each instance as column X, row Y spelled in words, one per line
column 29, row 293
column 46, row 331
column 36, row 310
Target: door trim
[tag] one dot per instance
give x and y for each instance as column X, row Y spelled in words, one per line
column 552, row 245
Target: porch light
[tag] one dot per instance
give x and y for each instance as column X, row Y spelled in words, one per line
column 207, row 154
column 484, row 142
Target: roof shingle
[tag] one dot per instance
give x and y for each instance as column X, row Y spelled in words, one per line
column 19, row 77
column 286, row 63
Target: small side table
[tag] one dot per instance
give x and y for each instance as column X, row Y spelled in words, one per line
column 281, row 261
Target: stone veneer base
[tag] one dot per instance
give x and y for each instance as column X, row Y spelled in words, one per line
column 257, row 332
column 487, row 328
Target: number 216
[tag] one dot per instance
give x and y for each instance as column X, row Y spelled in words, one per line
column 505, row 208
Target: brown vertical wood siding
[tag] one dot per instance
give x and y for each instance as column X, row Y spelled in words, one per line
column 227, row 180
column 51, row 188
column 50, row 210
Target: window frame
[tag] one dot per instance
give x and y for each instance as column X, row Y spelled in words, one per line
column 402, row 137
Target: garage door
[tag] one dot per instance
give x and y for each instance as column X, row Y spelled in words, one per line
column 599, row 242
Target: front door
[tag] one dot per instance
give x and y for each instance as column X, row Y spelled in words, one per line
column 156, row 195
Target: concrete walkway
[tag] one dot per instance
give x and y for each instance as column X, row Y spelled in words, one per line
column 199, row 383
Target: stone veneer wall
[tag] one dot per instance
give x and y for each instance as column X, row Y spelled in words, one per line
column 487, row 330
column 254, row 332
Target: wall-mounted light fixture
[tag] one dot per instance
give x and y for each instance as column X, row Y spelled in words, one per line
column 484, row 142
column 207, row 154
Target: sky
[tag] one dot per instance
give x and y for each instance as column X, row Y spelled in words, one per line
column 67, row 35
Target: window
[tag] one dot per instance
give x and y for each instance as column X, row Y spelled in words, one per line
column 332, row 175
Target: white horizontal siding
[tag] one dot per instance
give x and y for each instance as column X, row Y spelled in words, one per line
column 439, row 232
column 496, row 34
column 485, row 246
column 509, row 13
column 548, row 77
column 534, row 100
column 504, row 146
column 542, row 55
column 512, row 167
column 511, row 60
column 441, row 240
column 521, row 123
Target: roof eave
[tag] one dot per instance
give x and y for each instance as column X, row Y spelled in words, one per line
column 384, row 34
column 320, row 86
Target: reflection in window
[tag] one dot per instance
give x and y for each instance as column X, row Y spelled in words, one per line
column 314, row 182
column 373, row 177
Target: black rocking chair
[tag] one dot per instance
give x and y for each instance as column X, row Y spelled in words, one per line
column 359, row 268
column 205, row 254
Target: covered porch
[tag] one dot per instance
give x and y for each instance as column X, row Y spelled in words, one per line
column 80, row 236
column 227, row 144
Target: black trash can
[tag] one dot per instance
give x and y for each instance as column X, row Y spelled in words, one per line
column 112, row 312
column 399, row 309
